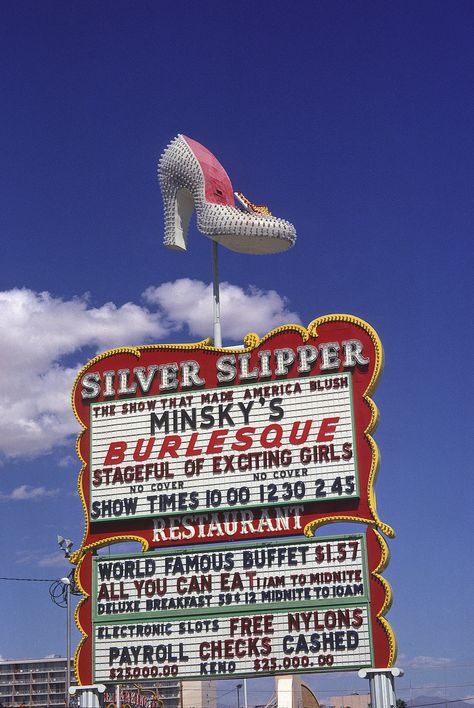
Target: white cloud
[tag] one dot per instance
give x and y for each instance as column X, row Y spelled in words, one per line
column 27, row 493
column 38, row 330
column 429, row 662
column 68, row 461
column 52, row 560
column 40, row 559
column 189, row 302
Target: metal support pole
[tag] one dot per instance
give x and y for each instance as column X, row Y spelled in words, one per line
column 68, row 671
column 117, row 696
column 245, row 694
column 216, row 296
column 239, row 686
column 67, row 584
column 381, row 684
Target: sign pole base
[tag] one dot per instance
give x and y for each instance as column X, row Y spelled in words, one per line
column 381, row 684
column 88, row 695
column 288, row 691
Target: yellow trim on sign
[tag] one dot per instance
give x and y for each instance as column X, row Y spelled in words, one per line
column 378, row 367
column 385, row 557
column 77, row 559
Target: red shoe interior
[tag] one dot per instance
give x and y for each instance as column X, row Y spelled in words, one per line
column 218, row 187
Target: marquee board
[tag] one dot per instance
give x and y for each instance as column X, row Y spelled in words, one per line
column 141, row 631
column 225, row 449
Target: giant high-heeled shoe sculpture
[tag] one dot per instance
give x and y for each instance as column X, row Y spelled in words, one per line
column 190, row 176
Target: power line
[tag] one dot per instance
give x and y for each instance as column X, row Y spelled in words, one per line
column 442, row 685
column 347, row 691
column 32, row 580
column 231, row 690
column 438, row 703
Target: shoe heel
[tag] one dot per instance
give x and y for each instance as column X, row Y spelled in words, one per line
column 178, row 206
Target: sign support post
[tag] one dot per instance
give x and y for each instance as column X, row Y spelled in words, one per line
column 381, row 684
column 88, row 695
column 215, row 295
column 288, row 691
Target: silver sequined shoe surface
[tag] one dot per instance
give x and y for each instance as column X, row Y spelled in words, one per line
column 191, row 177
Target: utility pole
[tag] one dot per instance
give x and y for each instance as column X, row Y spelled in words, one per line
column 65, row 544
column 67, row 584
column 239, row 686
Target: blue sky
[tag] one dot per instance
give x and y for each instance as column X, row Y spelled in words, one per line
column 354, row 121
